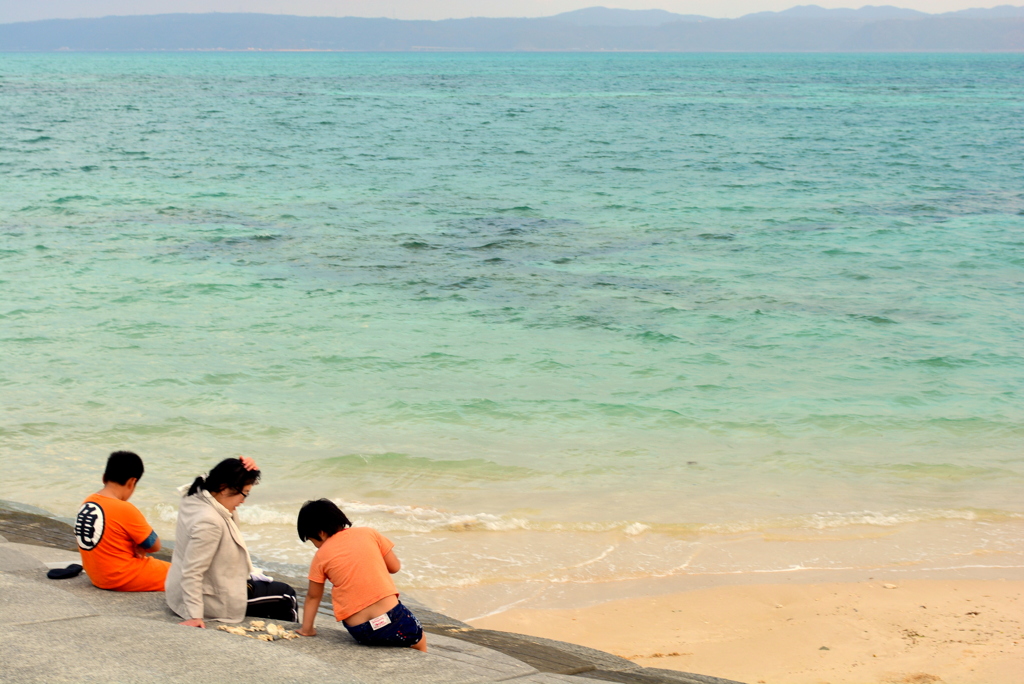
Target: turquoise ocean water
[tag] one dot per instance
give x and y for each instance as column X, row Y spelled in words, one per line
column 553, row 318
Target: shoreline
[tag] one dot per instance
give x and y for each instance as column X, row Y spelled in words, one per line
column 30, row 542
column 913, row 625
column 944, row 550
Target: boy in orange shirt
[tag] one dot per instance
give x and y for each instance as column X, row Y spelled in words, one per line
column 114, row 537
column 359, row 562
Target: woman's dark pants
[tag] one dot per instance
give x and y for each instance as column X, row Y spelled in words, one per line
column 272, row 600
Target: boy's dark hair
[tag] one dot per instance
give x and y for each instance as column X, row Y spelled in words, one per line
column 123, row 466
column 321, row 516
column 228, row 474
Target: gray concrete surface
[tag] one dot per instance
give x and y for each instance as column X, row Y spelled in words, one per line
column 23, row 601
column 11, row 558
column 45, row 554
column 127, row 649
column 70, row 631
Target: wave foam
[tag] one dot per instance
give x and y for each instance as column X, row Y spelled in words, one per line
column 251, row 515
column 830, row 520
column 261, row 515
column 166, row 513
column 636, row 529
column 423, row 519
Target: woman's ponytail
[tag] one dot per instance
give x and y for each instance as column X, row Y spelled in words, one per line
column 197, row 484
column 228, row 474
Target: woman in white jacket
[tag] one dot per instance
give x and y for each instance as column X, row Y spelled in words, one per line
column 211, row 575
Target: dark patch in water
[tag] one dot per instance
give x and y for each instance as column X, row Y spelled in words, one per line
column 471, row 282
column 72, row 198
column 880, row 320
column 955, row 203
column 717, row 236
column 509, row 225
column 944, row 362
column 587, row 321
column 500, row 244
column 229, row 245
column 232, row 241
column 656, row 337
column 796, row 228
column 403, row 470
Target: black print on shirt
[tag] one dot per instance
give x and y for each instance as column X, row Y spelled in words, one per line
column 89, row 526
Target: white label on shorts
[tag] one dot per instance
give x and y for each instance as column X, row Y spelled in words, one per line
column 380, row 621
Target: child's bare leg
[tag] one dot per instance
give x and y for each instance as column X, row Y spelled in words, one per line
column 421, row 645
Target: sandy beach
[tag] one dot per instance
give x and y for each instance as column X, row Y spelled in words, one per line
column 913, row 632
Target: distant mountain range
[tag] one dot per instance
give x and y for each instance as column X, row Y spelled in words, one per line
column 603, row 16
column 801, row 29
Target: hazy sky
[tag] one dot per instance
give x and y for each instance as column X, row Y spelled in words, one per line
column 27, row 10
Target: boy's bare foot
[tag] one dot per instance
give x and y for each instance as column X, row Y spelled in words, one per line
column 194, row 623
column 310, row 633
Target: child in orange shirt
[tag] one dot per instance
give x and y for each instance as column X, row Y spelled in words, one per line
column 359, row 562
column 114, row 537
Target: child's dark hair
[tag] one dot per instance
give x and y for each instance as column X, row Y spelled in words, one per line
column 321, row 516
column 123, row 466
column 228, row 474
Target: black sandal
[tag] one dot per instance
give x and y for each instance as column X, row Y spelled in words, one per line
column 72, row 570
